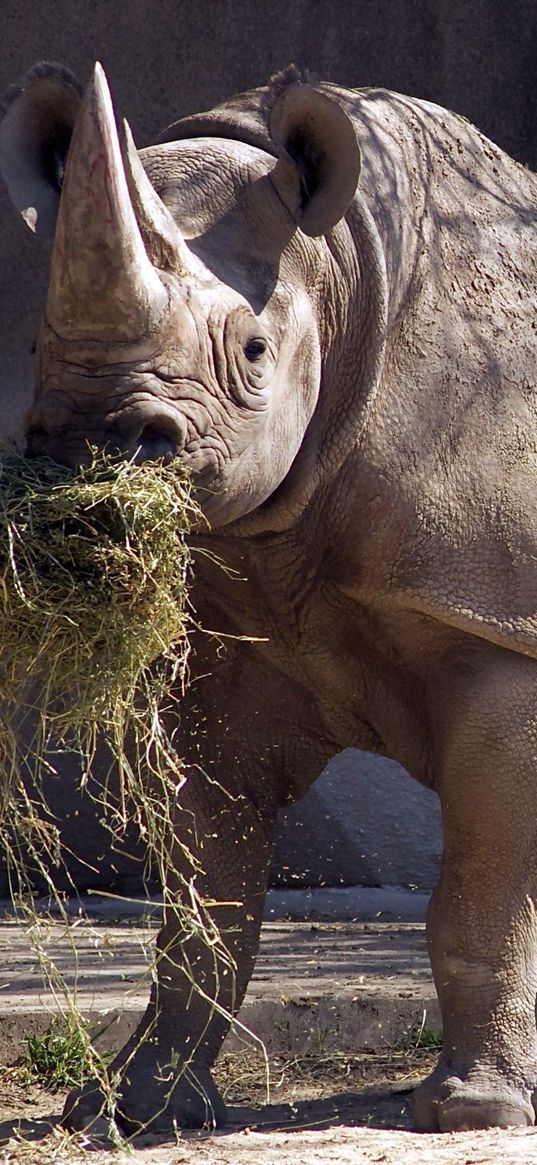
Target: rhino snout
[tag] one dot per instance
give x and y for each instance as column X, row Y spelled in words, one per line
column 146, row 435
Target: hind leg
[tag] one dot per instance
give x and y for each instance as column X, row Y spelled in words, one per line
column 482, row 923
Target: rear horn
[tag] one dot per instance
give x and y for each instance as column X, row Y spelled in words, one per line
column 163, row 240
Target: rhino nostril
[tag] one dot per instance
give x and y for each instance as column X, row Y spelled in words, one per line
column 156, row 441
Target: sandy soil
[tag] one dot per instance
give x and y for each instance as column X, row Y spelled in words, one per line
column 333, row 1109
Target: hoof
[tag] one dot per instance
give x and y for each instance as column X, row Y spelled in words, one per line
column 85, row 1111
column 460, row 1113
column 451, row 1105
column 146, row 1102
column 192, row 1101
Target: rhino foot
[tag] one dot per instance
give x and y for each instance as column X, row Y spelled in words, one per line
column 152, row 1096
column 447, row 1103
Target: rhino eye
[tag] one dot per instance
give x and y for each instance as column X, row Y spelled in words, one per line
column 255, row 348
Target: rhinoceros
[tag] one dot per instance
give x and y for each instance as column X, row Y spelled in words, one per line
column 323, row 302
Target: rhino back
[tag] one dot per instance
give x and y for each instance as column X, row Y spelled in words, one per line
column 450, row 455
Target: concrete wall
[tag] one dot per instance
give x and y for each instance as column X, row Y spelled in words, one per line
column 165, row 58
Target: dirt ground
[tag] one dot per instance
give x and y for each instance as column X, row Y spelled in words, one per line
column 333, row 1109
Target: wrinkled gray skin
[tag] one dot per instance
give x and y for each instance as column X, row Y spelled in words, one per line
column 351, row 377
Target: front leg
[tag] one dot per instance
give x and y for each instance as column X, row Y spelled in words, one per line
column 482, row 923
column 244, row 731
column 163, row 1071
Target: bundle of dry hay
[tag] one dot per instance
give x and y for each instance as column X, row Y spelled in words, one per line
column 92, row 580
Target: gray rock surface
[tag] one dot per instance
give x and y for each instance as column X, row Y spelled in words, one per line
column 364, row 822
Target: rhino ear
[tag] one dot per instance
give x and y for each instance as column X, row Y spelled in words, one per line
column 318, row 165
column 37, row 120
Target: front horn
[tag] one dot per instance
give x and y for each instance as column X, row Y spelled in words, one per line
column 103, row 286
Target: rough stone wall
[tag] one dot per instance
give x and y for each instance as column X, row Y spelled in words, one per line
column 165, row 58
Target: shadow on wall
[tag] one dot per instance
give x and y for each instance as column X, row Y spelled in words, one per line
column 364, row 822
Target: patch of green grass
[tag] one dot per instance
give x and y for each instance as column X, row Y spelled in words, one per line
column 429, row 1039
column 61, row 1056
column 420, row 1038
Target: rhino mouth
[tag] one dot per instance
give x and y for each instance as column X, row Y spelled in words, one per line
column 65, row 424
column 154, row 445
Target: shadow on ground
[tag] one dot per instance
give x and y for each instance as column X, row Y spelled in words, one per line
column 372, row 1108
column 387, row 1108
column 22, row 1129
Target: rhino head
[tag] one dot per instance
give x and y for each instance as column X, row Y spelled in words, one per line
column 187, row 307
